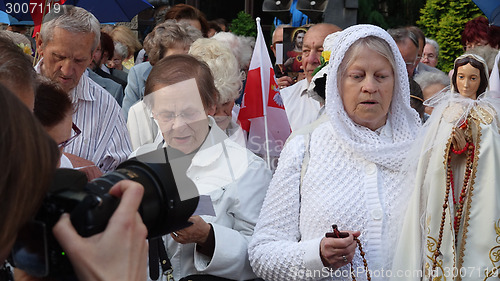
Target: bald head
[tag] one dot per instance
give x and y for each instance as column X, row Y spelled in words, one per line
column 313, row 46
column 278, row 36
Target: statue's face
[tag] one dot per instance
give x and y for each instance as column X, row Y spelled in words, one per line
column 468, row 80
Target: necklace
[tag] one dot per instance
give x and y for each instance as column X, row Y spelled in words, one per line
column 337, row 234
column 450, row 185
column 365, row 263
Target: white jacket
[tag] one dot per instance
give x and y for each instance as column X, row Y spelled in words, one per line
column 237, row 181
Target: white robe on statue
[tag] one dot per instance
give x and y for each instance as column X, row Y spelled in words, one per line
column 476, row 253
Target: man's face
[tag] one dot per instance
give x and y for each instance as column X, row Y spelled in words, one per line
column 277, row 39
column 312, row 49
column 299, row 40
column 430, row 56
column 98, row 58
column 66, row 56
column 409, row 52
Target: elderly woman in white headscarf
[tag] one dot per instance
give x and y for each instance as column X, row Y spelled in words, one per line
column 344, row 169
column 452, row 226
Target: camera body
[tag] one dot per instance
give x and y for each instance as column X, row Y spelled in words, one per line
column 37, row 252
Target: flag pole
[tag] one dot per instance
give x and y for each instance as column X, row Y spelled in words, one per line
column 264, row 91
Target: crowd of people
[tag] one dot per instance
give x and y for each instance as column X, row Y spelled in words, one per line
column 389, row 173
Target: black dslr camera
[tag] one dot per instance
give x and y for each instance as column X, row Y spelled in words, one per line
column 37, row 252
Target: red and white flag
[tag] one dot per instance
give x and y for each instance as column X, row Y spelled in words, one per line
column 38, row 10
column 262, row 114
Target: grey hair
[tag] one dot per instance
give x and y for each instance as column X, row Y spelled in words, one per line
column 487, row 52
column 400, row 34
column 434, row 44
column 121, row 50
column 241, row 46
column 167, row 35
column 223, row 65
column 428, row 78
column 373, row 43
column 72, row 19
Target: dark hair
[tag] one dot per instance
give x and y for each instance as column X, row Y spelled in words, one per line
column 483, row 85
column 29, row 158
column 107, row 44
column 417, row 98
column 475, row 30
column 184, row 11
column 223, row 22
column 52, row 104
column 177, row 68
column 16, row 68
column 494, row 36
column 214, row 25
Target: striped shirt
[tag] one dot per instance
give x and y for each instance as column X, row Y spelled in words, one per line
column 104, row 139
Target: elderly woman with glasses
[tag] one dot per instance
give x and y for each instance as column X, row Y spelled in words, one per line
column 181, row 94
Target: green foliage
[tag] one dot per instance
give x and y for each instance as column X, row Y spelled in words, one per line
column 389, row 13
column 244, row 25
column 368, row 13
column 444, row 21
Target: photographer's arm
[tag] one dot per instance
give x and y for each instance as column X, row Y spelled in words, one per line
column 118, row 253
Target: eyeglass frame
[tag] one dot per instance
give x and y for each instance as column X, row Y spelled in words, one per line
column 72, row 138
column 174, row 116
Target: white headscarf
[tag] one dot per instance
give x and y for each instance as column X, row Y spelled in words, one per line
column 404, row 120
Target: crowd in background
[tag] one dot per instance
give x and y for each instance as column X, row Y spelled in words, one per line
column 395, row 153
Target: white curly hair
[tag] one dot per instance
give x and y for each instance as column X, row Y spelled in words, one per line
column 223, row 65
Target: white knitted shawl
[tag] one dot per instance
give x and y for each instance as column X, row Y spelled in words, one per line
column 404, row 120
column 334, row 188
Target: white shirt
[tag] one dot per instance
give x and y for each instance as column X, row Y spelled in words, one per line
column 494, row 81
column 236, row 180
column 104, row 139
column 301, row 109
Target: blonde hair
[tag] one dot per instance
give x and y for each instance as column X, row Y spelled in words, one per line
column 125, row 36
column 223, row 65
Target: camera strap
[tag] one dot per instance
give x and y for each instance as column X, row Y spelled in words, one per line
column 6, row 272
column 158, row 254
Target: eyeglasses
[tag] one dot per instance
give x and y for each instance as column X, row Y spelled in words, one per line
column 429, row 56
column 72, row 138
column 188, row 115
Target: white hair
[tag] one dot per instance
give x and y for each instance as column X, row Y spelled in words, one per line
column 427, row 78
column 223, row 65
column 121, row 49
column 241, row 46
column 434, row 44
column 72, row 19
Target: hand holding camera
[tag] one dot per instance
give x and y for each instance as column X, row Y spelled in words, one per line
column 125, row 237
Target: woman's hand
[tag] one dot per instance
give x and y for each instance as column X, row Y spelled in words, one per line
column 196, row 233
column 333, row 250
column 118, row 253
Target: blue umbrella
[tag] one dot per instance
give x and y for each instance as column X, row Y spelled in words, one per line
column 491, row 9
column 10, row 20
column 103, row 10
